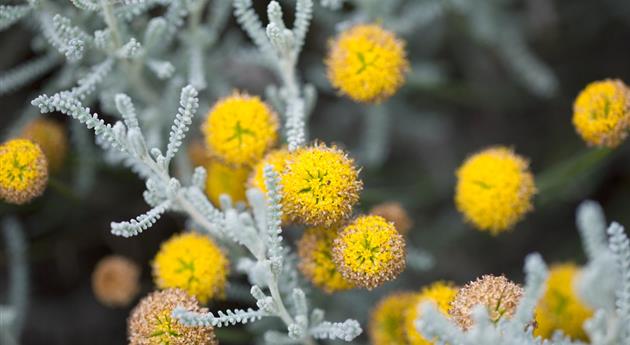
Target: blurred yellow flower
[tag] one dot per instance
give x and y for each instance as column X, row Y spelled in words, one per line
column 367, row 63
column 224, row 179
column 494, row 189
column 194, row 263
column 601, row 113
column 51, row 138
column 441, row 293
column 277, row 159
column 387, row 320
column 240, row 129
column 24, row 172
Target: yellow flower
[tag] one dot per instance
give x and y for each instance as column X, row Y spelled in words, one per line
column 240, row 129
column 51, row 138
column 441, row 293
column 24, row 172
column 193, row 263
column 315, row 253
column 387, row 325
column 494, row 189
column 367, row 63
column 369, row 252
column 601, row 113
column 277, row 159
column 320, row 185
column 560, row 308
column 223, row 179
column 151, row 323
column 394, row 212
column 499, row 295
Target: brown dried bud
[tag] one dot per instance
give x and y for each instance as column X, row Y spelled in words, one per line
column 115, row 281
column 394, row 212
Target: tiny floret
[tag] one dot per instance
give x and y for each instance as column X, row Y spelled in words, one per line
column 499, row 295
column 194, row 263
column 316, row 264
column 367, row 63
column 560, row 308
column 151, row 322
column 240, row 129
column 369, row 252
column 394, row 212
column 225, row 179
column 23, row 171
column 494, row 189
column 387, row 319
column 320, row 185
column 116, row 281
column 442, row 294
column 601, row 113
column 52, row 139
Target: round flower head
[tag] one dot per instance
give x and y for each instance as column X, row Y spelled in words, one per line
column 277, row 159
column 224, row 179
column 394, row 212
column 499, row 295
column 601, row 113
column 193, row 263
column 560, row 308
column 369, row 252
column 320, row 185
column 240, row 129
column 367, row 63
column 116, row 281
column 151, row 323
column 494, row 189
column 51, row 138
column 441, row 293
column 24, row 171
column 316, row 264
column 387, row 320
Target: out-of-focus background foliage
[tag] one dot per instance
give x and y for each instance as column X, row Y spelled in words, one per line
column 461, row 96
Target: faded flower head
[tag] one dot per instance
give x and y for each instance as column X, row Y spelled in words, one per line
column 151, row 322
column 194, row 263
column 198, row 153
column 560, row 307
column 320, row 185
column 116, row 281
column 494, row 189
column 369, row 251
column 316, row 263
column 387, row 325
column 51, row 138
column 601, row 113
column 394, row 212
column 24, row 172
column 240, row 129
column 225, row 179
column 367, row 63
column 277, row 159
column 499, row 295
column 441, row 293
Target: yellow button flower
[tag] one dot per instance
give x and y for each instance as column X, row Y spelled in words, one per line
column 367, row 63
column 499, row 295
column 387, row 319
column 441, row 293
column 240, row 129
column 601, row 113
column 560, row 308
column 277, row 159
column 193, row 263
column 320, row 185
column 224, row 179
column 51, row 138
column 369, row 252
column 23, row 171
column 494, row 189
column 151, row 323
column 315, row 254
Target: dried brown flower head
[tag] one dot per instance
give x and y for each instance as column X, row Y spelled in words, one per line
column 499, row 295
column 115, row 281
column 394, row 212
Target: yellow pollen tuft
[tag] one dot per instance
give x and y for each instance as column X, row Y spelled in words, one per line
column 441, row 293
column 316, row 263
column 367, row 63
column 194, row 263
column 494, row 189
column 387, row 319
column 51, row 138
column 369, row 252
column 23, row 171
column 240, row 129
column 224, row 179
column 601, row 113
column 320, row 185
column 560, row 308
